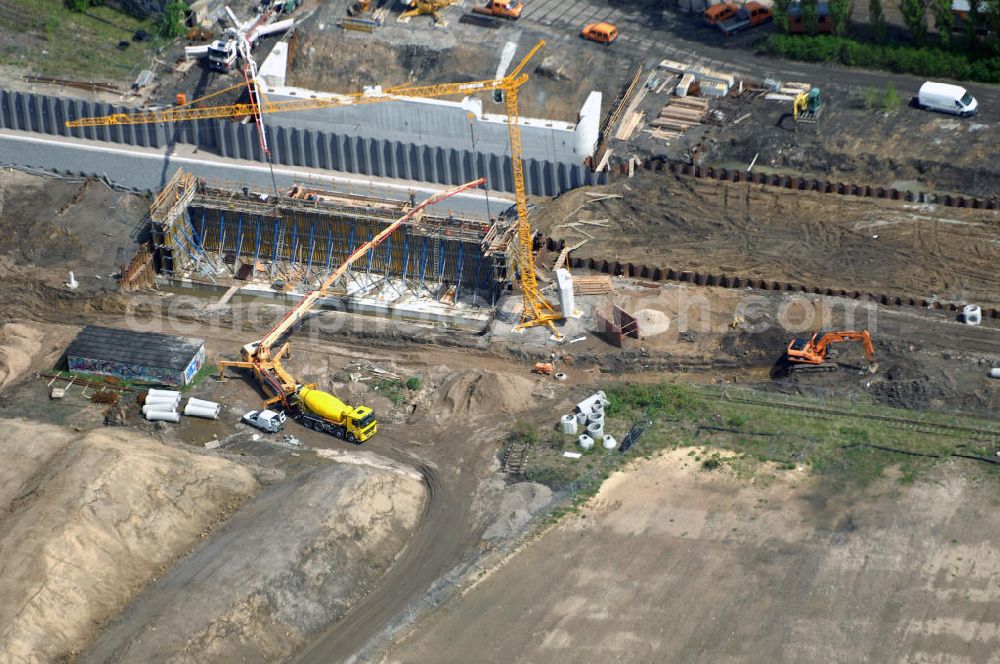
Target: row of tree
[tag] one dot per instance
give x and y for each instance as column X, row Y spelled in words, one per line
column 980, row 23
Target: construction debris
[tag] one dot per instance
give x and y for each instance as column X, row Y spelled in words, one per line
column 711, row 82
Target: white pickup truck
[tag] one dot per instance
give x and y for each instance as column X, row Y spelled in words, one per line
column 266, row 420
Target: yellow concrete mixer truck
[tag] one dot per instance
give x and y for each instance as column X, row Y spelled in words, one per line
column 324, row 412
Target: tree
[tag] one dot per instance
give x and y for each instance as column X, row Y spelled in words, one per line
column 915, row 17
column 877, row 19
column 810, row 16
column 172, row 19
column 986, row 14
column 944, row 20
column 83, row 5
column 779, row 10
column 840, row 15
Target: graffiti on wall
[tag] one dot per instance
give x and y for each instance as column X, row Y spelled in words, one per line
column 197, row 362
column 126, row 371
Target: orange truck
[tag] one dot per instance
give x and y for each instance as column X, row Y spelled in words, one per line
column 750, row 15
column 720, row 12
column 602, row 33
column 509, row 9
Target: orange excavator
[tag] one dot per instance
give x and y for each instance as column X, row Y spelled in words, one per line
column 810, row 355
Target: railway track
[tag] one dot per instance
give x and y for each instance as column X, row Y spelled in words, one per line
column 919, row 426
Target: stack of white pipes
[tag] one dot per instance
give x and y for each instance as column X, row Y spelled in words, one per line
column 161, row 406
column 201, row 408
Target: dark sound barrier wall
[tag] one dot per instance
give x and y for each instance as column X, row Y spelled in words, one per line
column 295, row 147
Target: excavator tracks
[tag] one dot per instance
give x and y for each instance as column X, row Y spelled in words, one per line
column 826, row 367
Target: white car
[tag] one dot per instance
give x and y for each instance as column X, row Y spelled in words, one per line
column 266, row 420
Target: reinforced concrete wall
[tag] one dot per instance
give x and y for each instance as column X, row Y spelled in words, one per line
column 305, row 139
column 309, row 244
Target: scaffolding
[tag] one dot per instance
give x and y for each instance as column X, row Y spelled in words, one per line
column 296, row 237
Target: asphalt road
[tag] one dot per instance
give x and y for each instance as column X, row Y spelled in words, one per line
column 660, row 34
column 149, row 168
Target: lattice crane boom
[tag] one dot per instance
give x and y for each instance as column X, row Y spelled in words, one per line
column 537, row 310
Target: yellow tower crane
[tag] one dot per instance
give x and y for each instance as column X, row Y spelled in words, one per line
column 537, row 310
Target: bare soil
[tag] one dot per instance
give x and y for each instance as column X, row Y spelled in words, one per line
column 855, row 142
column 561, row 78
column 285, row 566
column 88, row 519
column 473, row 389
column 813, row 239
column 672, row 563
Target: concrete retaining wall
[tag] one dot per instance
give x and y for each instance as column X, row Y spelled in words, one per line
column 312, row 148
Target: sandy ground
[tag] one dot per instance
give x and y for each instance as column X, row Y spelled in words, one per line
column 88, row 520
column 672, row 563
column 19, row 343
column 806, row 238
column 286, row 565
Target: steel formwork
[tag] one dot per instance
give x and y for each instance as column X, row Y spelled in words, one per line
column 301, row 240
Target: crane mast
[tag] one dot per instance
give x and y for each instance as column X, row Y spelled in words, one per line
column 536, row 309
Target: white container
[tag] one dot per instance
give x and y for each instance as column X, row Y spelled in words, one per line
column 163, row 416
column 609, row 442
column 202, row 411
column 201, row 402
column 158, row 408
column 597, row 408
column 596, row 418
column 581, row 419
column 595, row 430
column 995, row 372
column 164, row 393
column 972, row 314
column 568, row 424
column 585, row 442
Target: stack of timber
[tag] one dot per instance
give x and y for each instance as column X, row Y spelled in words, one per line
column 678, row 116
column 598, row 284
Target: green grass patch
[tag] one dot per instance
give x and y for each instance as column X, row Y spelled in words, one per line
column 207, row 369
column 845, row 445
column 53, row 40
column 393, row 389
column 930, row 62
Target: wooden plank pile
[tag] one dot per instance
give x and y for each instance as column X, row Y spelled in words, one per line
column 678, row 116
column 597, row 284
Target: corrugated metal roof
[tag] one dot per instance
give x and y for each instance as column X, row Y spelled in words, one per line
column 147, row 349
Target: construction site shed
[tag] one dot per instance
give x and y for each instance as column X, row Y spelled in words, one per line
column 131, row 355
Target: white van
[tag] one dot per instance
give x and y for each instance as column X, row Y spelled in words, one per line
column 946, row 98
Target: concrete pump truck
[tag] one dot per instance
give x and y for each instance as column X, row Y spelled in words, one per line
column 312, row 407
